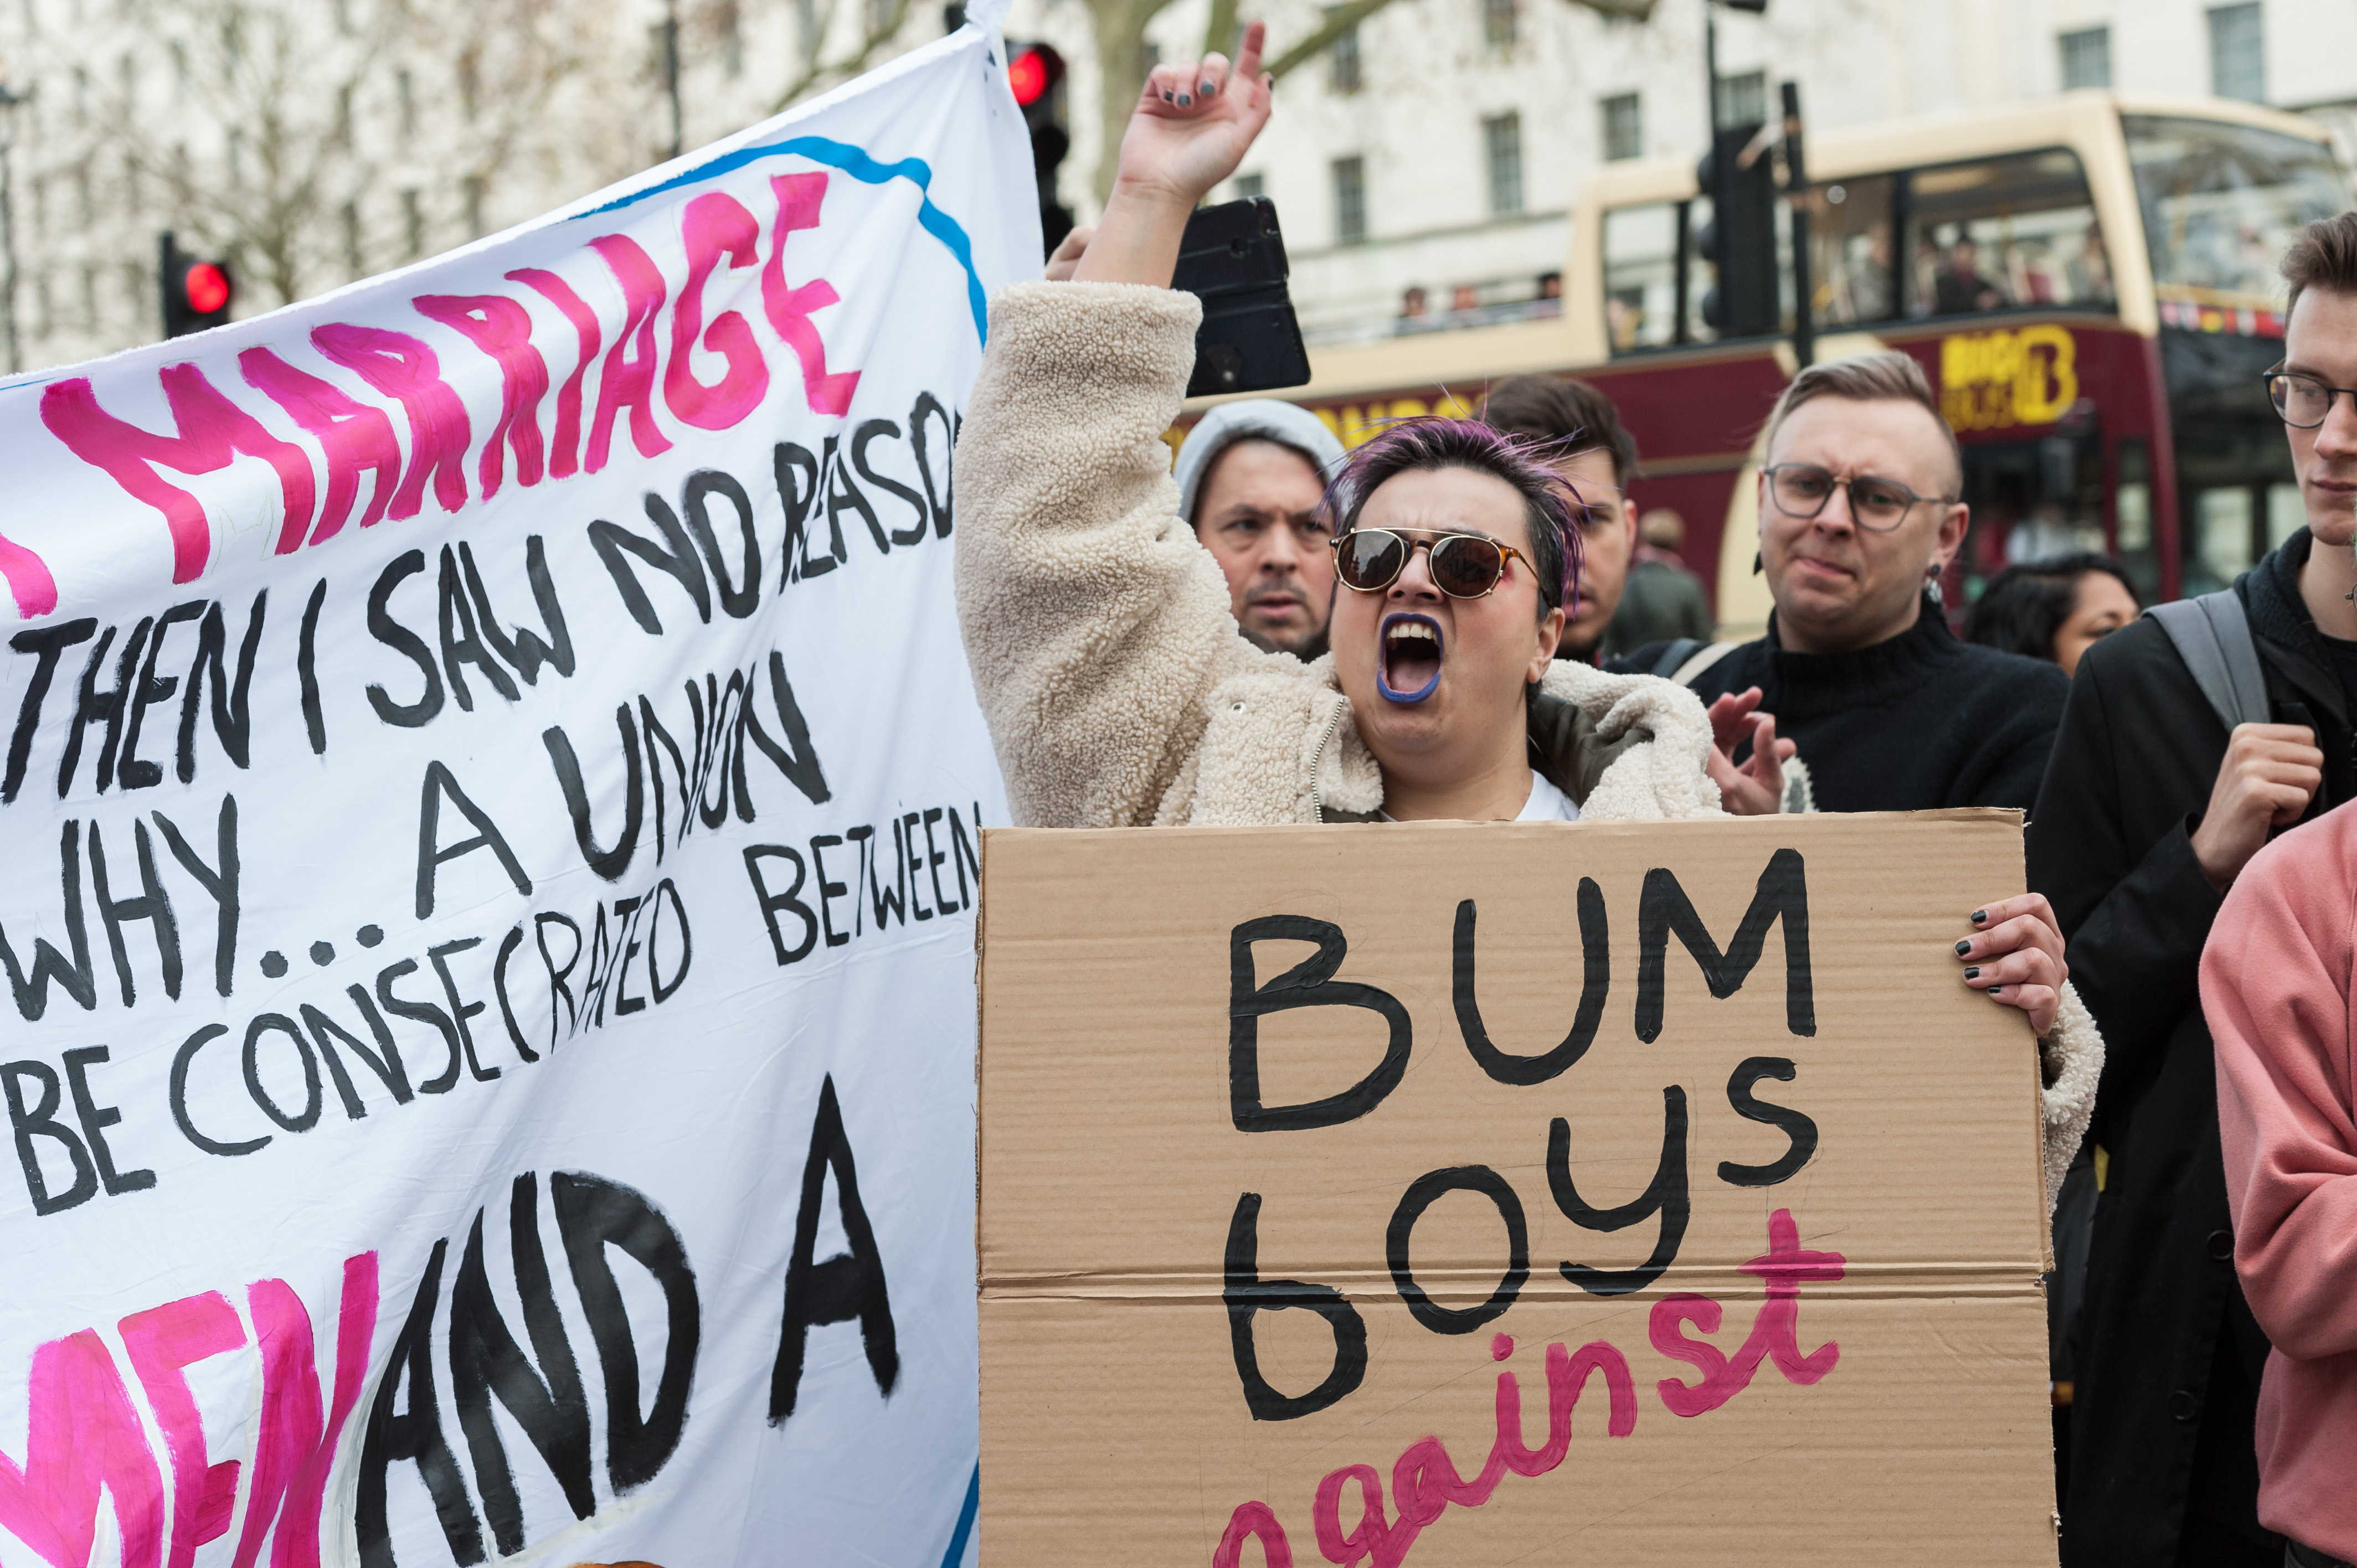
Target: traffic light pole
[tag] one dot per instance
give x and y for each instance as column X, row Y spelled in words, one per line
column 1710, row 72
column 1796, row 191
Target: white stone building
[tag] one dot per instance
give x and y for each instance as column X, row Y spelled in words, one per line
column 1452, row 164
column 317, row 141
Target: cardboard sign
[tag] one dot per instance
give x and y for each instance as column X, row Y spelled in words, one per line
column 1445, row 1195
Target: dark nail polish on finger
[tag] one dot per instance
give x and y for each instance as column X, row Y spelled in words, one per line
column 1972, row 974
column 1978, row 915
column 1184, row 101
column 1207, row 87
column 1963, row 946
column 1995, row 989
column 1169, row 98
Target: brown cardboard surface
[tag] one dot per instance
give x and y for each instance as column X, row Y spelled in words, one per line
column 1896, row 1412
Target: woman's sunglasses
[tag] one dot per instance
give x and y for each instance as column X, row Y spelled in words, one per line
column 1463, row 565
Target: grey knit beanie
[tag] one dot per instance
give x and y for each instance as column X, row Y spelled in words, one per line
column 1260, row 418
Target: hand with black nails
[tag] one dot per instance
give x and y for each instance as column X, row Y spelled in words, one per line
column 1193, row 123
column 2015, row 956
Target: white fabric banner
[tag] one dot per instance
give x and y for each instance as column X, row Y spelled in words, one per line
column 493, row 790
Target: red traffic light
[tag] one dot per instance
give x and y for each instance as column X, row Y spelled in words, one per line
column 1032, row 72
column 207, row 288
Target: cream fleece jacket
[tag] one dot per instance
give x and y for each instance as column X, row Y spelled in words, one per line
column 1117, row 688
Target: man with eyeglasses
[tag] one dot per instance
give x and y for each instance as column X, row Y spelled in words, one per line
column 2151, row 809
column 1858, row 517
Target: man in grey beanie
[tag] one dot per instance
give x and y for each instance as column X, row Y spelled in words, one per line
column 1251, row 478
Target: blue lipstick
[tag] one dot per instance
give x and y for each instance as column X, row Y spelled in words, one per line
column 1383, row 658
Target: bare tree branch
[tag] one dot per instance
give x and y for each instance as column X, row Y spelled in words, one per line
column 877, row 29
column 1342, row 19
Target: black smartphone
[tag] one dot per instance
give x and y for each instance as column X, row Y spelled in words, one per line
column 1232, row 259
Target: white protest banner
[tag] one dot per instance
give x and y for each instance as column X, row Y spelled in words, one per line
column 491, row 789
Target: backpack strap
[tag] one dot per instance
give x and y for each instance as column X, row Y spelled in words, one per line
column 1700, row 657
column 1677, row 652
column 2212, row 635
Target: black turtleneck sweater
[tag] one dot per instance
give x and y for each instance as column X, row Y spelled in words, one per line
column 1918, row 722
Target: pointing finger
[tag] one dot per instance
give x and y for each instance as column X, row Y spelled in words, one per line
column 1248, row 55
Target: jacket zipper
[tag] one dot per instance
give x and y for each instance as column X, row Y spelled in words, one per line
column 1316, row 795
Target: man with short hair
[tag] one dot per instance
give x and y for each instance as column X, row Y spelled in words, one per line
column 1597, row 457
column 1858, row 517
column 2151, row 809
column 1251, row 478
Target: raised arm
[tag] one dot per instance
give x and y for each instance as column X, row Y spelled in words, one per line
column 1094, row 623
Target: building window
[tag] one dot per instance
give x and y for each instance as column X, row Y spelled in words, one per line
column 1500, row 22
column 1251, row 186
column 2238, row 65
column 2086, row 58
column 413, row 222
column 1342, row 63
column 1350, row 201
column 350, row 216
column 1743, row 100
column 405, row 88
column 473, row 189
column 1503, row 142
column 1624, row 126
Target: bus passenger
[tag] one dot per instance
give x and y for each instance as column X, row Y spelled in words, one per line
column 1858, row 518
column 1959, row 286
column 1106, row 657
column 2151, row 810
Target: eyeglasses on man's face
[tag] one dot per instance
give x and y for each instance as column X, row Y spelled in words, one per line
column 1802, row 490
column 2302, row 402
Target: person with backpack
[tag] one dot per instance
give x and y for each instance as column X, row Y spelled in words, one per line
column 2190, row 737
column 1859, row 516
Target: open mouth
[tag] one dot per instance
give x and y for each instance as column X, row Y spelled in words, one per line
column 1408, row 666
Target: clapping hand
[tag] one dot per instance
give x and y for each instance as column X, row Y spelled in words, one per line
column 1756, row 789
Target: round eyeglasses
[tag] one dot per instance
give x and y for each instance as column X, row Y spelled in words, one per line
column 2302, row 402
column 1801, row 489
column 1463, row 565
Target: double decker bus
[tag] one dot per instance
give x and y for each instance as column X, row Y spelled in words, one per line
column 2089, row 282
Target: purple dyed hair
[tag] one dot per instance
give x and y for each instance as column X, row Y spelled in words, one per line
column 1432, row 443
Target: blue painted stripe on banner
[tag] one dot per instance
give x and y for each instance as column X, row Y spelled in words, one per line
column 956, row 1553
column 859, row 164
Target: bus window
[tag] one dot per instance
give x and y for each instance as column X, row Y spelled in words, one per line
column 2286, row 513
column 2132, row 519
column 1641, row 278
column 2221, row 539
column 1856, row 269
column 2233, row 525
column 2221, row 202
column 2002, row 233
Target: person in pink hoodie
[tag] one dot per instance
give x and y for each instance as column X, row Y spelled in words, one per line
column 2276, row 986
